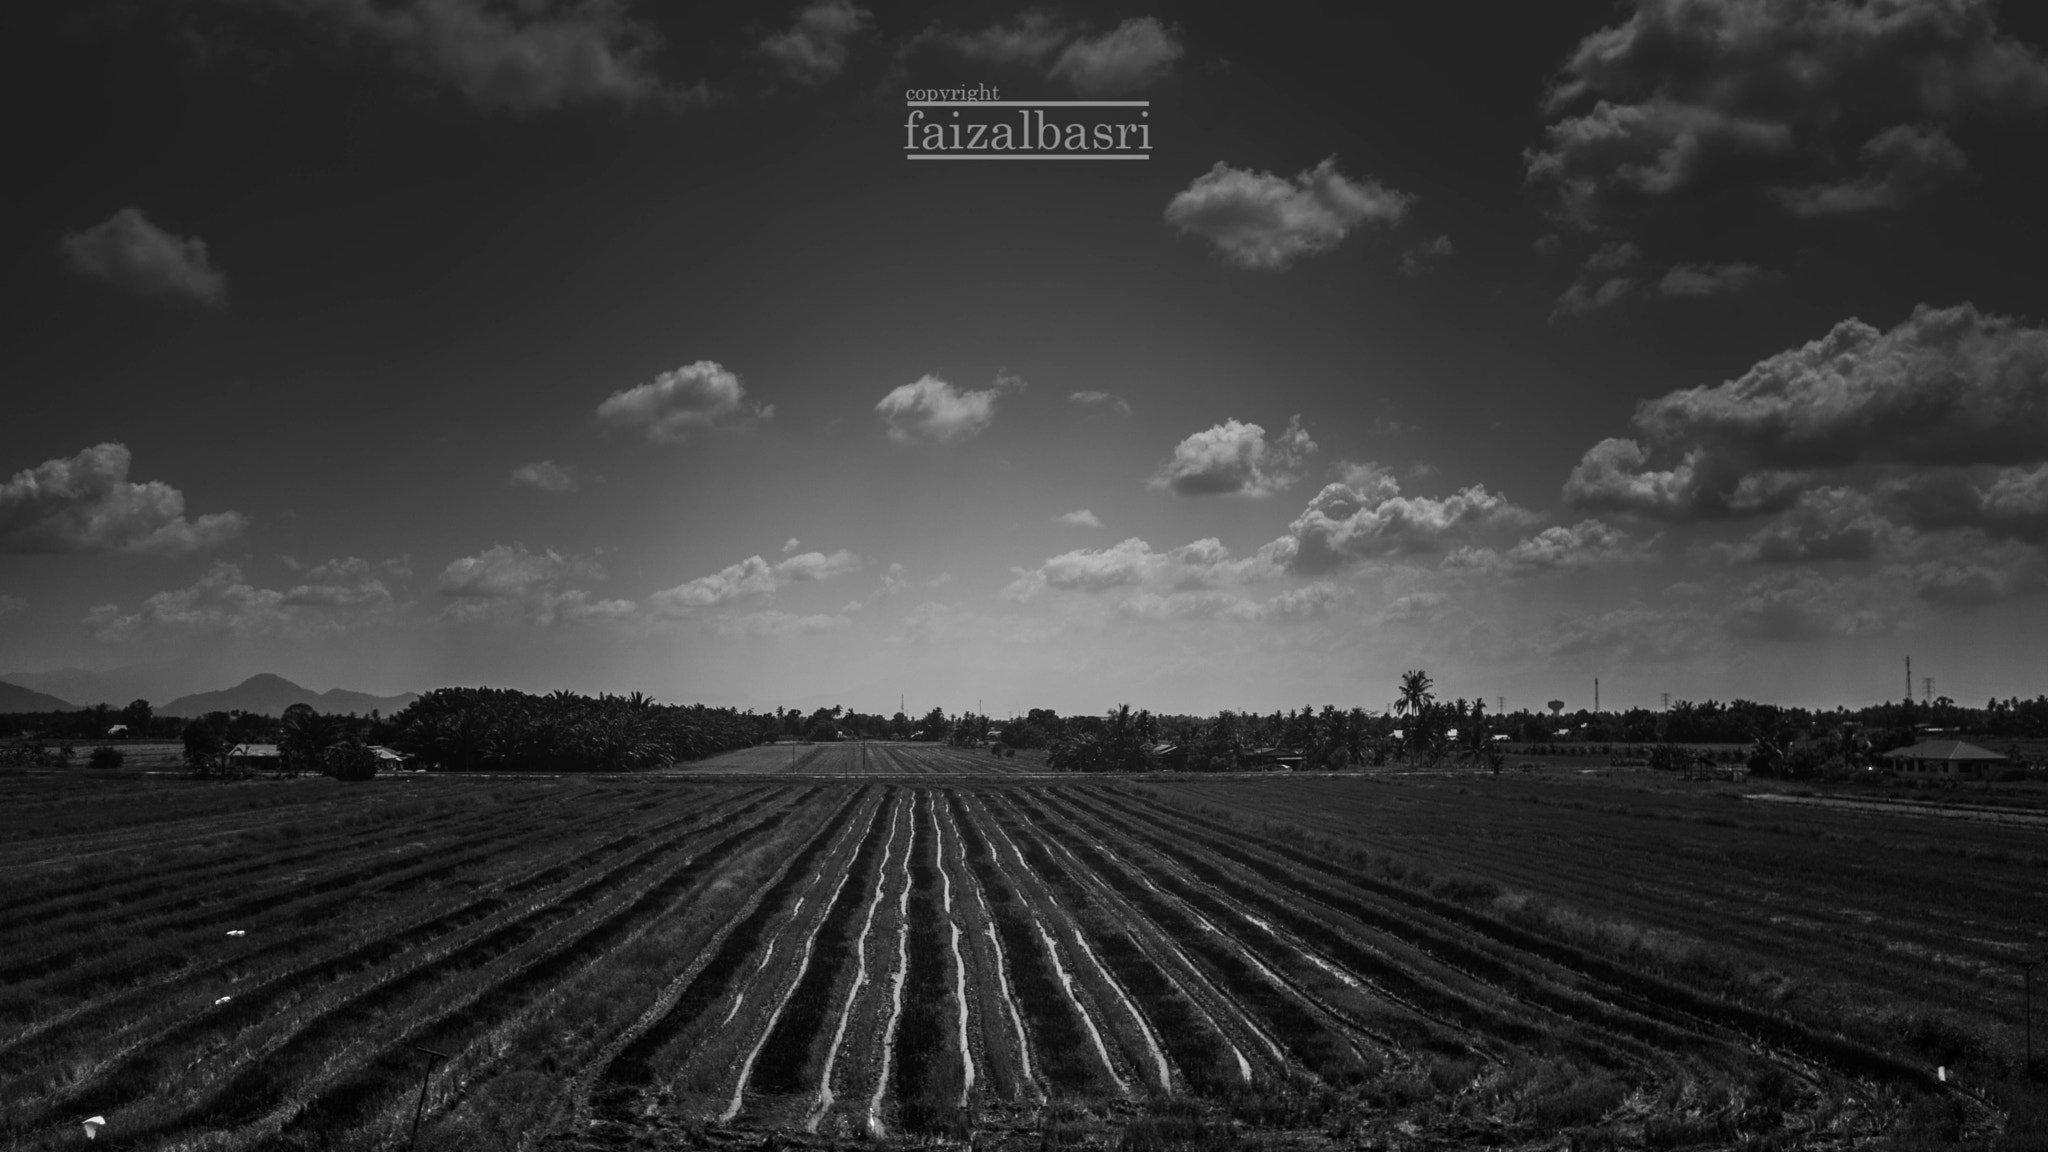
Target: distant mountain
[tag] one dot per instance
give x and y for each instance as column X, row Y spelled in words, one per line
column 115, row 687
column 270, row 695
column 15, row 698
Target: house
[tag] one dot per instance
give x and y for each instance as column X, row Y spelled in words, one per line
column 1943, row 760
column 1167, row 755
column 1274, row 759
column 117, row 730
column 253, row 756
column 389, row 759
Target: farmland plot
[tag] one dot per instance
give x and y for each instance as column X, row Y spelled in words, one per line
column 934, row 947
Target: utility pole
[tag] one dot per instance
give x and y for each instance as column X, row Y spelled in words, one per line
column 1909, row 679
column 1596, row 695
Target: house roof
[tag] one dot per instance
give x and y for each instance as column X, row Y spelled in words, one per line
column 253, row 750
column 1943, row 750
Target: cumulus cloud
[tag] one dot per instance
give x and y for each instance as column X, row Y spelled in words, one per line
column 1826, row 106
column 815, row 48
column 86, row 503
column 1259, row 220
column 751, row 578
column 1133, row 55
column 1587, row 544
column 700, row 397
column 1366, row 517
column 1945, row 390
column 1900, row 165
column 524, row 57
column 1236, row 459
column 1080, row 518
column 1978, row 577
column 510, row 572
column 1133, row 562
column 1800, row 605
column 508, row 583
column 930, row 409
column 546, row 476
column 1101, row 402
column 1710, row 279
column 1833, row 523
column 1608, row 274
column 1425, row 255
column 337, row 596
column 11, row 605
column 127, row 250
column 1030, row 39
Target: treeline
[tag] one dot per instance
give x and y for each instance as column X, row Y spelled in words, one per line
column 502, row 729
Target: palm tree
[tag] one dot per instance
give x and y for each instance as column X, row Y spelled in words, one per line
column 1417, row 703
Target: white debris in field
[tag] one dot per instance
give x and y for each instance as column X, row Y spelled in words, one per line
column 222, row 1000
column 93, row 1124
column 237, row 932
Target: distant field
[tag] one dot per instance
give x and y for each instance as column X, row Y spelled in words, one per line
column 871, row 758
column 944, row 946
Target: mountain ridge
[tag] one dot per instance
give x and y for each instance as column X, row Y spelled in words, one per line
column 269, row 694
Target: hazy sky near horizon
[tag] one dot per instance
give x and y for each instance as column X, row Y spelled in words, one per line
column 1698, row 345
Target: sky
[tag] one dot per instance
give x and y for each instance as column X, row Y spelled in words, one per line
column 1700, row 346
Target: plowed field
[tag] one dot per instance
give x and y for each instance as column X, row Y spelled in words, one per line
column 897, row 943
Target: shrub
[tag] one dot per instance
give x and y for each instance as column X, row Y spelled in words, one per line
column 105, row 757
column 350, row 760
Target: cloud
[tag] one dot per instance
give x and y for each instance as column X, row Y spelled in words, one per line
column 509, row 571
column 349, row 582
column 791, row 545
column 751, row 578
column 1133, row 55
column 1901, row 164
column 700, row 397
column 1236, row 459
column 529, row 56
column 1259, row 220
column 546, row 476
column 1711, row 279
column 127, row 250
column 1425, row 255
column 1607, row 276
column 1821, row 106
column 508, row 583
column 1032, row 38
column 1587, row 544
column 341, row 595
column 1101, row 402
column 930, row 409
column 1947, row 389
column 86, row 503
column 11, row 605
column 1799, row 606
column 1824, row 524
column 1367, row 517
column 1132, row 563
column 1978, row 577
column 815, row 49
column 1081, row 518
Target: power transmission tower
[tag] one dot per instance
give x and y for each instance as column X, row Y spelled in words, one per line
column 1667, row 700
column 1927, row 689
